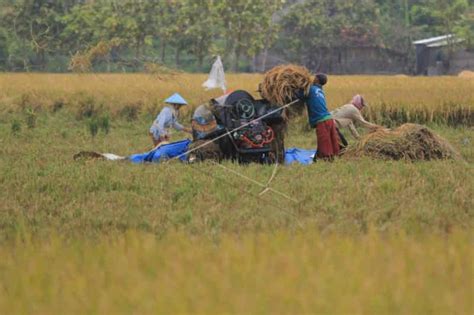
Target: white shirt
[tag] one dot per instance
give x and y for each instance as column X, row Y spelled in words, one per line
column 165, row 119
column 347, row 115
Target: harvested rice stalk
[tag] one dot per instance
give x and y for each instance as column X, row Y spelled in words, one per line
column 280, row 83
column 409, row 142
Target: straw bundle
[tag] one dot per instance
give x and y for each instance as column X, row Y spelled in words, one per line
column 466, row 74
column 282, row 82
column 409, row 142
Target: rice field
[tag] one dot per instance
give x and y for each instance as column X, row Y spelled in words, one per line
column 364, row 237
column 393, row 99
column 276, row 272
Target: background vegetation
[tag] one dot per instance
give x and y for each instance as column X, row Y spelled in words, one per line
column 129, row 35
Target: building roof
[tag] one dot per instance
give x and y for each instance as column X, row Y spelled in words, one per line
column 439, row 41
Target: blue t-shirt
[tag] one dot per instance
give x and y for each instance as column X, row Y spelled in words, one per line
column 316, row 105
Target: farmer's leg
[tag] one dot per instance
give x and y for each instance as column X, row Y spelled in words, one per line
column 334, row 138
column 155, row 138
column 324, row 141
column 343, row 139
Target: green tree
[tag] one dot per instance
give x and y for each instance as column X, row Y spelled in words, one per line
column 178, row 29
column 138, row 20
column 314, row 26
column 3, row 49
column 201, row 23
column 36, row 22
column 244, row 25
column 439, row 17
column 395, row 25
column 465, row 29
column 81, row 25
column 165, row 25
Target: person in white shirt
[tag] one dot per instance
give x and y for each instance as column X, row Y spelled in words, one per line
column 348, row 115
column 168, row 118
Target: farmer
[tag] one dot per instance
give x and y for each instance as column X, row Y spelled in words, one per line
column 321, row 119
column 347, row 115
column 167, row 118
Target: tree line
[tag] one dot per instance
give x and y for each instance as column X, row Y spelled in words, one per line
column 130, row 35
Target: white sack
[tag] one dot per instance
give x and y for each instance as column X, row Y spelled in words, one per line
column 216, row 76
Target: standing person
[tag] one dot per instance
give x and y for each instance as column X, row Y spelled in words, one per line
column 347, row 115
column 167, row 118
column 320, row 119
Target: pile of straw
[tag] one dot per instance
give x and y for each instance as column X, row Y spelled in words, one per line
column 409, row 142
column 282, row 82
column 466, row 74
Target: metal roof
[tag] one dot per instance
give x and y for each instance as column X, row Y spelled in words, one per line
column 439, row 41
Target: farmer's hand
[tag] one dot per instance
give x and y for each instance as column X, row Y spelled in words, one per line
column 164, row 138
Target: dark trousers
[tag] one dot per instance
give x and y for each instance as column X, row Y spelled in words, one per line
column 344, row 142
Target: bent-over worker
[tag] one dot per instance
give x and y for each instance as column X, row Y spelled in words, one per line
column 348, row 115
column 167, row 118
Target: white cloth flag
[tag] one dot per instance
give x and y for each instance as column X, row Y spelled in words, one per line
column 216, row 76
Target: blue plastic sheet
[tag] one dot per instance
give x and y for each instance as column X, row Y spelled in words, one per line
column 174, row 149
column 301, row 156
column 163, row 152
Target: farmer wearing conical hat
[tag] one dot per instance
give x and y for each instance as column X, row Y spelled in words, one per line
column 320, row 119
column 348, row 115
column 168, row 118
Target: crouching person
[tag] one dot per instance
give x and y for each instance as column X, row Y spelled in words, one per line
column 168, row 118
column 350, row 114
column 320, row 119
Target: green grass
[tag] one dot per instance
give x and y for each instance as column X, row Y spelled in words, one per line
column 365, row 236
column 44, row 188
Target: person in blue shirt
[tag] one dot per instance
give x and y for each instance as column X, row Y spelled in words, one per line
column 320, row 118
column 168, row 118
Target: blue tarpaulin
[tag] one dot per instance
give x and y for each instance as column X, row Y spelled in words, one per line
column 301, row 156
column 174, row 149
column 163, row 152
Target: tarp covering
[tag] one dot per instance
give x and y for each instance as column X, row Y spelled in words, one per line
column 301, row 156
column 163, row 152
column 174, row 149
